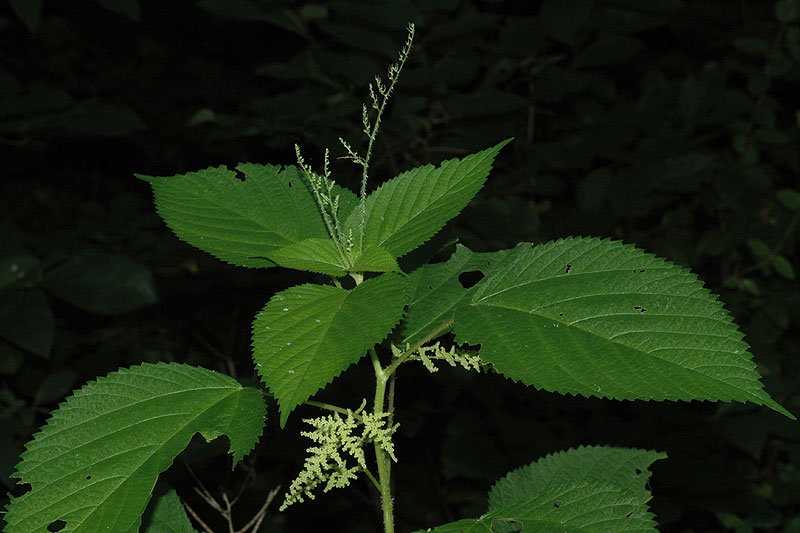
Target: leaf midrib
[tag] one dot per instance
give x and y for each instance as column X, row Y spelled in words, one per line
column 671, row 363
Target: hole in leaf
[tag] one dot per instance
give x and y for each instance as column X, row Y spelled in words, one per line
column 430, row 287
column 639, row 308
column 88, row 477
column 238, row 174
column 560, row 314
column 628, row 514
column 556, row 504
column 567, row 269
column 470, row 279
column 638, row 471
column 56, row 525
column 290, row 184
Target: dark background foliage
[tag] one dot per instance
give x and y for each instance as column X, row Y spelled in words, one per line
column 669, row 124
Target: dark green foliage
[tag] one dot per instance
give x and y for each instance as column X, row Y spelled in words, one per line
column 670, row 124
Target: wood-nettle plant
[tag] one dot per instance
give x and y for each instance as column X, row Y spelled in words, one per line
column 582, row 316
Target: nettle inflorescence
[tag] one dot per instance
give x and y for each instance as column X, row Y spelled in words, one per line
column 371, row 127
column 337, row 440
column 323, row 186
column 453, row 356
column 328, row 203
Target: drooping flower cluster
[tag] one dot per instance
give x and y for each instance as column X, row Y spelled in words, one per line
column 339, row 456
column 468, row 360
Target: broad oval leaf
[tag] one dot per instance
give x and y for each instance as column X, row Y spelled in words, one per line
column 599, row 318
column 588, row 489
column 307, row 335
column 95, row 462
column 409, row 209
column 242, row 221
column 100, row 283
column 579, row 507
column 626, row 468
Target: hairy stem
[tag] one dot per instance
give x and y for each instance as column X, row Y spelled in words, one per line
column 382, row 458
column 384, row 376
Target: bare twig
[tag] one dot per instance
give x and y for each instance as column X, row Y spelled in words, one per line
column 258, row 518
column 209, row 499
column 228, row 512
column 197, row 518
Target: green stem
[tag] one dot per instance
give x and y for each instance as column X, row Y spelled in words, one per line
column 382, row 458
column 372, row 479
column 383, row 376
column 329, row 407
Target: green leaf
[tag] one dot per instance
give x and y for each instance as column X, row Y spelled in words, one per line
column 626, row 468
column 104, row 284
column 243, row 221
column 759, row 248
column 307, row 335
column 96, row 461
column 375, row 259
column 314, row 254
column 783, row 267
column 169, row 516
column 595, row 317
column 578, row 507
column 790, row 199
column 26, row 320
column 409, row 209
column 435, row 291
column 322, row 256
column 468, row 525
